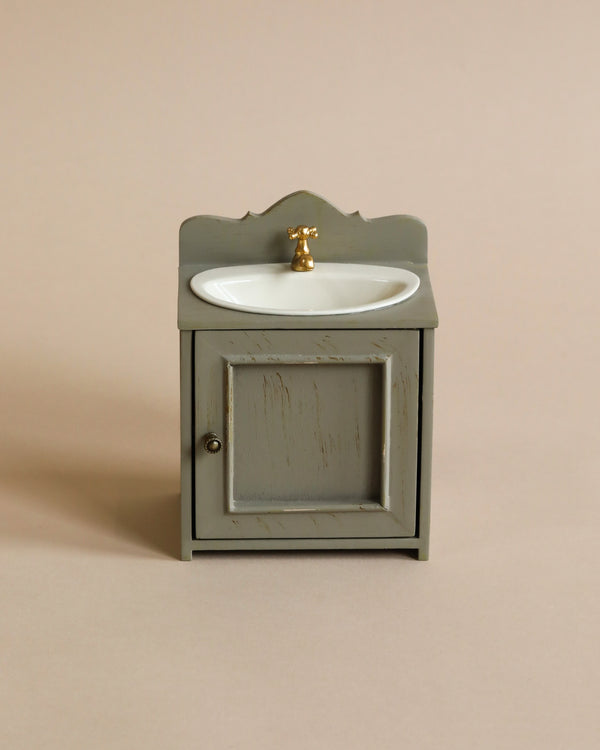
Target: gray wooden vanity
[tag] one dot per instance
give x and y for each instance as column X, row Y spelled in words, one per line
column 305, row 432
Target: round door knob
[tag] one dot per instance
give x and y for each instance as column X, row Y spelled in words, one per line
column 212, row 443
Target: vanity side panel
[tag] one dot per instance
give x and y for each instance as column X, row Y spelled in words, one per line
column 426, row 440
column 186, row 375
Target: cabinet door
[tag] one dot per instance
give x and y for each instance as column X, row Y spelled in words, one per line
column 319, row 433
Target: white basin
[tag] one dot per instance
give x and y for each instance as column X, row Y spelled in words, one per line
column 330, row 289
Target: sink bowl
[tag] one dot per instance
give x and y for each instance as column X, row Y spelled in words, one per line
column 330, row 289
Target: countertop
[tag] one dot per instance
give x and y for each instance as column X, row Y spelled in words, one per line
column 416, row 312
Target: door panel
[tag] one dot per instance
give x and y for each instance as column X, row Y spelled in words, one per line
column 319, row 433
column 293, row 431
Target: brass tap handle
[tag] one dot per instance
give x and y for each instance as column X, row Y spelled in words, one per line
column 302, row 260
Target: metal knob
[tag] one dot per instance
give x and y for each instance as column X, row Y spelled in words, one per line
column 212, row 443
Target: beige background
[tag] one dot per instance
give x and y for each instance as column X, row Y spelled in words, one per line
column 119, row 120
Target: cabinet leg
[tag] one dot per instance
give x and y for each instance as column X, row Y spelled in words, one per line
column 186, row 553
column 423, row 552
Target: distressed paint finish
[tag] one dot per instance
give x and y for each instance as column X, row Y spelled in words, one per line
column 352, row 425
column 306, row 437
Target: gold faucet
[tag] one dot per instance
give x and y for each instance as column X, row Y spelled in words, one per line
column 302, row 260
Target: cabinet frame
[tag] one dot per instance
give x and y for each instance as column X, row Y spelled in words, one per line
column 207, row 242
column 419, row 541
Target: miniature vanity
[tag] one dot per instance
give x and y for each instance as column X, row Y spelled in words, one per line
column 306, row 398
